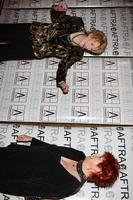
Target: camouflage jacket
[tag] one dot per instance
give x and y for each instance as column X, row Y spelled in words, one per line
column 44, row 37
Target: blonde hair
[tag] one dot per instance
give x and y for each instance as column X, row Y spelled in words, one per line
column 100, row 37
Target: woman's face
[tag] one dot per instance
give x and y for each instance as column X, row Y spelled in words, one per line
column 94, row 161
column 90, row 43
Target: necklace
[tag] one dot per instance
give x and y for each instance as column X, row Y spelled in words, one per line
column 62, row 39
column 80, row 171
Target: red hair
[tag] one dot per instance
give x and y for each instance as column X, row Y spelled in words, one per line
column 109, row 171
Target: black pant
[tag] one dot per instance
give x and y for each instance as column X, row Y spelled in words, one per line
column 15, row 42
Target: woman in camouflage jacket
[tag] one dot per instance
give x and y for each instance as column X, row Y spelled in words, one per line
column 64, row 38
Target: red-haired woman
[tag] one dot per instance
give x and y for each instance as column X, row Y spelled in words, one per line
column 50, row 171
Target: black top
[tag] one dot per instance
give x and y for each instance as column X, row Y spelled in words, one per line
column 36, row 170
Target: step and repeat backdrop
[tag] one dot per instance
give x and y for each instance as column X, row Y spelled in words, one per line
column 101, row 88
column 90, row 140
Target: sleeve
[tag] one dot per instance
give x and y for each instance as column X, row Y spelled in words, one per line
column 73, row 22
column 63, row 151
column 36, row 142
column 65, row 64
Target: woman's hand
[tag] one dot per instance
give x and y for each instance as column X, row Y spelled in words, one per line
column 64, row 87
column 62, row 6
column 24, row 138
